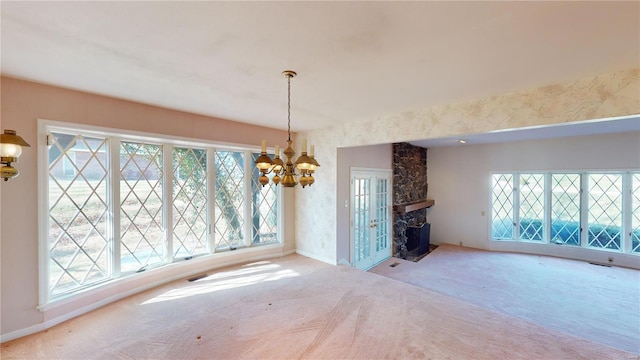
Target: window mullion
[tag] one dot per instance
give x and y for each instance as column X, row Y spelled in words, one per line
column 113, row 189
column 627, row 195
column 280, row 214
column 584, row 209
column 248, row 203
column 634, row 218
column 516, row 206
column 167, row 194
column 546, row 238
column 211, row 198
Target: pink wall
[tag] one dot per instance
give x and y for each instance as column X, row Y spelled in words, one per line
column 22, row 104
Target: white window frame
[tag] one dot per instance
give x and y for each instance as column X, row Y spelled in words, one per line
column 624, row 238
column 626, row 224
column 548, row 208
column 513, row 209
column 115, row 137
column 518, row 206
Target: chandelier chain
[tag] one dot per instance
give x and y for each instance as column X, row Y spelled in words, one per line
column 289, row 106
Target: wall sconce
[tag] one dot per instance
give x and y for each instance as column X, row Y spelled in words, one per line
column 10, row 150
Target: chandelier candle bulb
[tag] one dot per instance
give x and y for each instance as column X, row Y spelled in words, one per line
column 264, row 146
column 277, row 150
column 304, row 145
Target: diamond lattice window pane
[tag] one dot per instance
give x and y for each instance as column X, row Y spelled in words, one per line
column 229, row 202
column 189, row 202
column 141, row 202
column 264, row 214
column 531, row 207
column 565, row 209
column 605, row 211
column 502, row 207
column 635, row 213
column 79, row 253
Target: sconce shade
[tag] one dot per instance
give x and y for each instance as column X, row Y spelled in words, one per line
column 264, row 162
column 278, row 165
column 10, row 137
column 303, row 162
column 11, row 145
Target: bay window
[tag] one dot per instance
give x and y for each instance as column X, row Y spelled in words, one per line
column 595, row 210
column 120, row 204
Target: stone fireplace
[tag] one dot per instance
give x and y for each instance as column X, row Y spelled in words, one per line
column 409, row 193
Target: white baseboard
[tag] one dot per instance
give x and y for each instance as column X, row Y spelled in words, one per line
column 289, row 252
column 316, row 257
column 22, row 332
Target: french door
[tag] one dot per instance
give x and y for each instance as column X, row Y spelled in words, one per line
column 370, row 217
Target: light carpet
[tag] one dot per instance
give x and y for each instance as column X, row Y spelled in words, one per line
column 295, row 307
column 601, row 304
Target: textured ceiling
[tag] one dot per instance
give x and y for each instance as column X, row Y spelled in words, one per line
column 355, row 60
column 582, row 128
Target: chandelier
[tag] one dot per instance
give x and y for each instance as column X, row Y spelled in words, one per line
column 285, row 173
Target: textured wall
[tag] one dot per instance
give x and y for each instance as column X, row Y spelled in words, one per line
column 409, row 185
column 596, row 97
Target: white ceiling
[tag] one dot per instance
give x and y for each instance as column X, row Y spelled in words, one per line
column 355, row 60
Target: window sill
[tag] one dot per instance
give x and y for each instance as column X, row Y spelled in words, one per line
column 569, row 252
column 112, row 290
